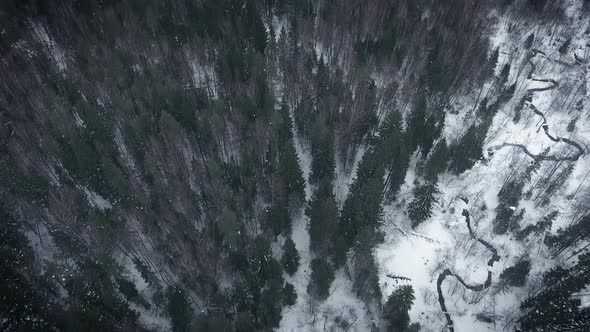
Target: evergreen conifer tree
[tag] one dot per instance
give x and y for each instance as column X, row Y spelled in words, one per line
column 289, row 294
column 322, row 151
column 504, row 74
column 566, row 44
column 435, row 69
column 490, row 66
column 179, row 309
column 437, row 163
column 288, row 166
column 508, row 199
column 397, row 307
column 284, row 125
column 290, row 172
column 290, row 259
column 365, row 278
column 362, row 208
column 528, row 43
column 420, row 208
column 213, row 322
column 322, row 276
column 323, row 219
column 468, row 150
column 544, row 224
column 278, row 219
column 392, row 152
column 517, row 274
column 417, row 123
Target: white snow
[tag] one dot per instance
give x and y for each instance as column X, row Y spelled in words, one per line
column 42, row 242
column 204, row 77
column 53, row 50
column 411, row 256
column 95, row 199
column 444, row 242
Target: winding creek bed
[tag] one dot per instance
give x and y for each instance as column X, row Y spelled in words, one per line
column 478, row 287
column 554, row 84
column 495, row 257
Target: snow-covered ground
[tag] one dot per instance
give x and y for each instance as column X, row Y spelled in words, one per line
column 443, row 241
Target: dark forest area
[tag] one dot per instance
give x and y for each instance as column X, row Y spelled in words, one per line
column 252, row 165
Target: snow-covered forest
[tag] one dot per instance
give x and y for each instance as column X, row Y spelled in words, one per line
column 294, row 165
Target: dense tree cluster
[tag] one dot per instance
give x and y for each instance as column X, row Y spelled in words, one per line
column 165, row 144
column 556, row 307
column 508, row 199
column 516, row 275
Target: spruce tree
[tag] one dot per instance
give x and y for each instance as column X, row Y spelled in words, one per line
column 432, row 132
column 414, row 327
column 304, row 114
column 420, row 208
column 417, row 122
column 397, row 307
column 255, row 26
column 517, row 274
column 437, row 163
column 435, row 69
column 322, row 151
column 368, row 117
column 291, row 172
column 362, row 208
column 528, row 43
column 284, row 125
column 179, row 309
column 322, row 276
column 322, row 80
column 229, row 227
column 564, row 47
column 365, row 278
column 270, row 307
column 504, row 74
column 398, row 169
column 213, row 322
column 468, row 150
column 289, row 294
column 490, row 66
column 288, row 167
column 569, row 236
column 508, row 199
column 244, row 322
column 323, row 219
column 392, row 152
column 544, row 224
column 278, row 219
column 290, row 259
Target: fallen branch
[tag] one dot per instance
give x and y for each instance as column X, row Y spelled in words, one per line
column 394, row 277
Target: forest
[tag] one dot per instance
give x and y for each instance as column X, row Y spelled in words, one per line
column 294, row 165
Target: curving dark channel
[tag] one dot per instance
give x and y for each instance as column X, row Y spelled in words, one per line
column 552, row 158
column 477, row 287
column 495, row 257
column 545, row 125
